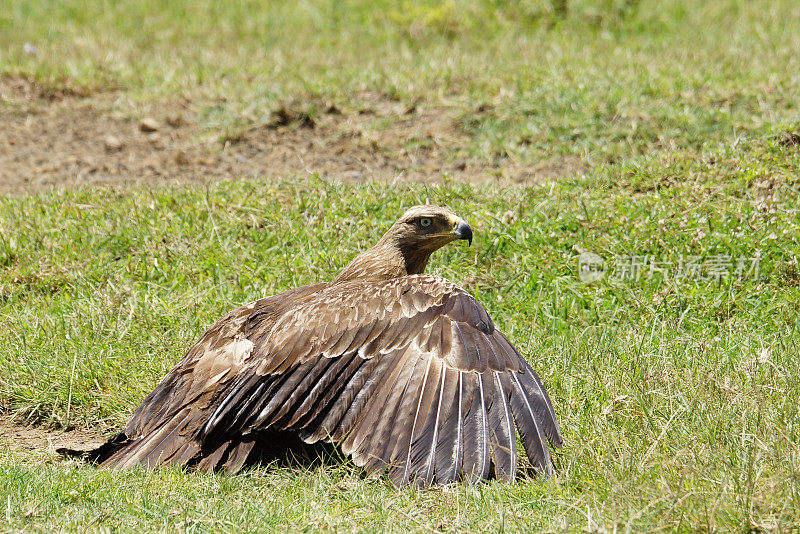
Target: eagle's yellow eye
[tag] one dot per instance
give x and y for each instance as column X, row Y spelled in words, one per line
column 425, row 222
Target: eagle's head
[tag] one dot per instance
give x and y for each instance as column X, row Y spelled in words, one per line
column 409, row 243
column 428, row 228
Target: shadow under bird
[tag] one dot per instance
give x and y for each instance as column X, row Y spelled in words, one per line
column 405, row 371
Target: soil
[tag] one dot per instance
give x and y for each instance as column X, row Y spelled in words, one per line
column 20, row 436
column 67, row 138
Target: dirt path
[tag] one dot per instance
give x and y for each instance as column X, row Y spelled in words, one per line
column 63, row 138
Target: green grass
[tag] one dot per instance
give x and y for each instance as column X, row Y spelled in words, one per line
column 608, row 82
column 677, row 398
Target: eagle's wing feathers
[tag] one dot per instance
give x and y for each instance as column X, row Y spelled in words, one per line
column 408, row 374
column 160, row 432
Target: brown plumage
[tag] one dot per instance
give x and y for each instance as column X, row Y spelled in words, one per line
column 405, row 371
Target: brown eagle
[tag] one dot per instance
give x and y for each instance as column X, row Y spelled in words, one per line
column 404, row 370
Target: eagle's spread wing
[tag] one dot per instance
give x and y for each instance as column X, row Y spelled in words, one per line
column 408, row 374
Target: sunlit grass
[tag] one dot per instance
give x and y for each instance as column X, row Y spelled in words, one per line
column 605, row 84
column 676, row 398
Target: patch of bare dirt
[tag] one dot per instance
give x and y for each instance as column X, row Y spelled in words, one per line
column 69, row 137
column 19, row 436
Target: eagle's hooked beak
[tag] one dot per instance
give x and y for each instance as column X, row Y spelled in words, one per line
column 462, row 231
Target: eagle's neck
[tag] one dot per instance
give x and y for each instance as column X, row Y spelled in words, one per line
column 386, row 260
